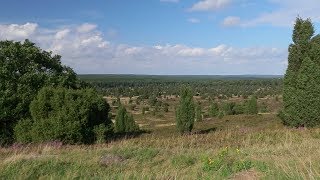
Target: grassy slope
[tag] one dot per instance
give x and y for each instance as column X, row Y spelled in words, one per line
column 219, row 148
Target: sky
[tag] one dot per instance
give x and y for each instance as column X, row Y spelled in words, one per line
column 165, row 37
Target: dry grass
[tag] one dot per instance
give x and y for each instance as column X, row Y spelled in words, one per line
column 272, row 150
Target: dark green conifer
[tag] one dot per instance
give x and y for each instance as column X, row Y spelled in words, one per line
column 185, row 113
column 301, row 95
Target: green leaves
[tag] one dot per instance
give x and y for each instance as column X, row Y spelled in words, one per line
column 67, row 115
column 251, row 106
column 302, row 80
column 185, row 113
column 124, row 122
column 24, row 70
column 213, row 110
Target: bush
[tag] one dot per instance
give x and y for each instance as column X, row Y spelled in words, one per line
column 63, row 114
column 228, row 108
column 185, row 113
column 24, row 70
column 100, row 132
column 213, row 110
column 251, row 106
column 238, row 109
column 198, row 112
column 301, row 96
column 124, row 122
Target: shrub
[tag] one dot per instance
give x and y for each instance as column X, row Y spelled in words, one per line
column 124, row 122
column 24, row 70
column 251, row 106
column 213, row 110
column 100, row 132
column 228, row 108
column 185, row 113
column 198, row 112
column 238, row 109
column 63, row 114
column 301, row 96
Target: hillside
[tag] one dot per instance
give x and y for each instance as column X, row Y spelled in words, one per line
column 239, row 146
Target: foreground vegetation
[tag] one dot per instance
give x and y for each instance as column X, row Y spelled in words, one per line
column 242, row 146
column 143, row 129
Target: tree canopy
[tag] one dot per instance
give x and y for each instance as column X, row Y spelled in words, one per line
column 24, row 70
column 302, row 79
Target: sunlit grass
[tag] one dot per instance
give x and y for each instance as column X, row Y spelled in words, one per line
column 258, row 144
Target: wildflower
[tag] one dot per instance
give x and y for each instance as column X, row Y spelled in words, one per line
column 210, row 161
column 238, row 150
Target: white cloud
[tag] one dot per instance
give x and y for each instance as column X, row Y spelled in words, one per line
column 61, row 34
column 86, row 27
column 231, row 21
column 193, row 20
column 16, row 31
column 89, row 52
column 210, row 5
column 286, row 13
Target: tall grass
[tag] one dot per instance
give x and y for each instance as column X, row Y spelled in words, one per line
column 266, row 149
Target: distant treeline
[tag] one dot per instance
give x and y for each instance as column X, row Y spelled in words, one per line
column 202, row 85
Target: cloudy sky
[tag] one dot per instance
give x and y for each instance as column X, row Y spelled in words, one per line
column 160, row 36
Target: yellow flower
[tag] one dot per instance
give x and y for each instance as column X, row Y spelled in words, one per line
column 238, row 150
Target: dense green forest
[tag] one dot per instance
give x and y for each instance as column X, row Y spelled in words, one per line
column 202, row 85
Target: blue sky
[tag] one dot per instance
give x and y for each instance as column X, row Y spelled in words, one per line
column 160, row 36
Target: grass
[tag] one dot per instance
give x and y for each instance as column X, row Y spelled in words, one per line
column 239, row 147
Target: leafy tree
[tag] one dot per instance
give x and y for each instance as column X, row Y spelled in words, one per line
column 67, row 115
column 185, row 112
column 302, row 79
column 124, row 122
column 24, row 70
column 213, row 110
column 198, row 112
column 251, row 106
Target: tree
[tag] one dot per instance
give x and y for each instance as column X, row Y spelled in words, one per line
column 228, row 108
column 124, row 122
column 67, row 115
column 213, row 110
column 198, row 112
column 185, row 112
column 251, row 106
column 301, row 82
column 24, row 70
